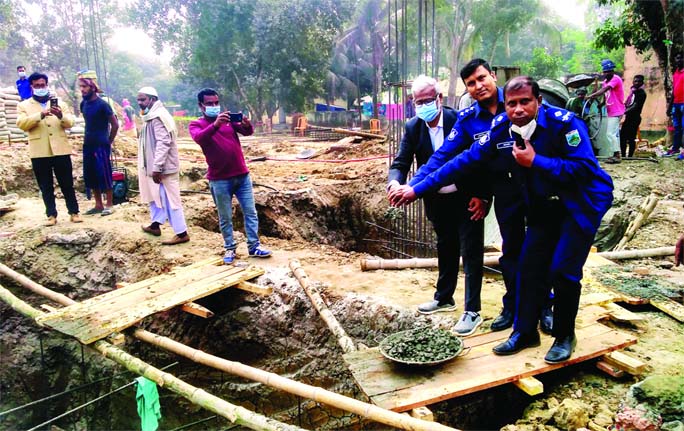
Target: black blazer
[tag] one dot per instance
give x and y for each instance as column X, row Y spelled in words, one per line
column 416, row 143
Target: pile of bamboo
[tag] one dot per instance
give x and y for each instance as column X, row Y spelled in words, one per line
column 9, row 132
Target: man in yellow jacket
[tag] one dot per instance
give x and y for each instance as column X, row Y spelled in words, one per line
column 46, row 119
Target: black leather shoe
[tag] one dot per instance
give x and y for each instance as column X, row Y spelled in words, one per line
column 546, row 320
column 503, row 320
column 561, row 350
column 516, row 342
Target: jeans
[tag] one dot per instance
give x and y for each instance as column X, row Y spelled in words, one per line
column 677, row 114
column 223, row 191
column 61, row 165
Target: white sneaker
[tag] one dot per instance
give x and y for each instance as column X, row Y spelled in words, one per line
column 468, row 323
column 434, row 307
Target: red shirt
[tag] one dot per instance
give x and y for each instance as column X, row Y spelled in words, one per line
column 221, row 147
column 678, row 86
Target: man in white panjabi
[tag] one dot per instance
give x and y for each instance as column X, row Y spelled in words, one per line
column 158, row 168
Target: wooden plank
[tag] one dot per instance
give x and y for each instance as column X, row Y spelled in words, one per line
column 254, row 288
column 609, row 369
column 625, row 362
column 671, row 308
column 131, row 294
column 197, row 310
column 423, row 413
column 530, row 386
column 399, row 388
column 104, row 321
column 620, row 314
column 108, row 316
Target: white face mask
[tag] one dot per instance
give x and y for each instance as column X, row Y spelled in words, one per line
column 525, row 131
column 21, row 74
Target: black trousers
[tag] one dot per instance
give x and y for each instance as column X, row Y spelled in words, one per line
column 457, row 236
column 628, row 134
column 43, row 168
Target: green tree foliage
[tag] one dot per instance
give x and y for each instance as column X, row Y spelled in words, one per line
column 12, row 43
column 542, row 65
column 68, row 38
column 645, row 24
column 265, row 53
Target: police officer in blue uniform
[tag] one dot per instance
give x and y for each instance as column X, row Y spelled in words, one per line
column 566, row 194
column 509, row 207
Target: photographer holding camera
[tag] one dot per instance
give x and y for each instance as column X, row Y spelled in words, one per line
column 217, row 133
column 46, row 119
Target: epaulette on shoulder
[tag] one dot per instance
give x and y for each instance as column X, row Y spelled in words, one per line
column 463, row 113
column 498, row 120
column 559, row 114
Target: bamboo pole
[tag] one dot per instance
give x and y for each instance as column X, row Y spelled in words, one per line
column 372, row 264
column 318, row 394
column 357, row 133
column 235, row 414
column 342, row 338
column 321, row 395
column 638, row 254
column 644, row 211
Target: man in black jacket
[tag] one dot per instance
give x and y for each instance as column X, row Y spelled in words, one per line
column 634, row 104
column 456, row 211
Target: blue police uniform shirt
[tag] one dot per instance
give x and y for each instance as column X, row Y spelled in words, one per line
column 564, row 165
column 471, row 124
column 24, row 88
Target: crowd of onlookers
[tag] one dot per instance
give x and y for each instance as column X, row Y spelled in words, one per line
column 46, row 118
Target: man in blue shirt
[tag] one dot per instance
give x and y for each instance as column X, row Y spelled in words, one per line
column 474, row 122
column 566, row 194
column 23, row 85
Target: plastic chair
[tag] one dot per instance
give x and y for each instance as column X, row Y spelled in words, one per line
column 302, row 124
column 375, row 126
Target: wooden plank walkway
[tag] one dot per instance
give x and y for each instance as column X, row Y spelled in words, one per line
column 399, row 388
column 96, row 318
column 668, row 306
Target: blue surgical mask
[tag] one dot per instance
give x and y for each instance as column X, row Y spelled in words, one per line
column 212, row 111
column 428, row 111
column 41, row 92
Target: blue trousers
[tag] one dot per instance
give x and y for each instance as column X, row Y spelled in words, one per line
column 223, row 191
column 511, row 213
column 677, row 118
column 555, row 249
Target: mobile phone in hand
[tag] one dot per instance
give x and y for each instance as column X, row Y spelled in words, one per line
column 236, row 118
column 53, row 102
column 519, row 141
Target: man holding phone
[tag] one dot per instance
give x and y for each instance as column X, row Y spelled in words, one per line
column 217, row 133
column 45, row 120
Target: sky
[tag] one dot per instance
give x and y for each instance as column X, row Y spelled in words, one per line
column 571, row 10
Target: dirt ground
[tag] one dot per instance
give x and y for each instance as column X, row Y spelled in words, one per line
column 315, row 211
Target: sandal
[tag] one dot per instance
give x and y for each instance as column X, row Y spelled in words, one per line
column 93, row 211
column 107, row 211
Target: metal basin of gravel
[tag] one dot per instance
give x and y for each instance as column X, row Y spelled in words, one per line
column 421, row 347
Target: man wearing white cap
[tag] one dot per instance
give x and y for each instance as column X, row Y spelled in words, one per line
column 159, row 166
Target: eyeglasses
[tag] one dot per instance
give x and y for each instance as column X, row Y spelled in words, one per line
column 424, row 101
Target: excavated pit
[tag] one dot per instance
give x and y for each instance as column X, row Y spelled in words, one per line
column 304, row 213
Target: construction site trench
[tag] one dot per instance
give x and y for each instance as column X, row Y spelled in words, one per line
column 325, row 214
